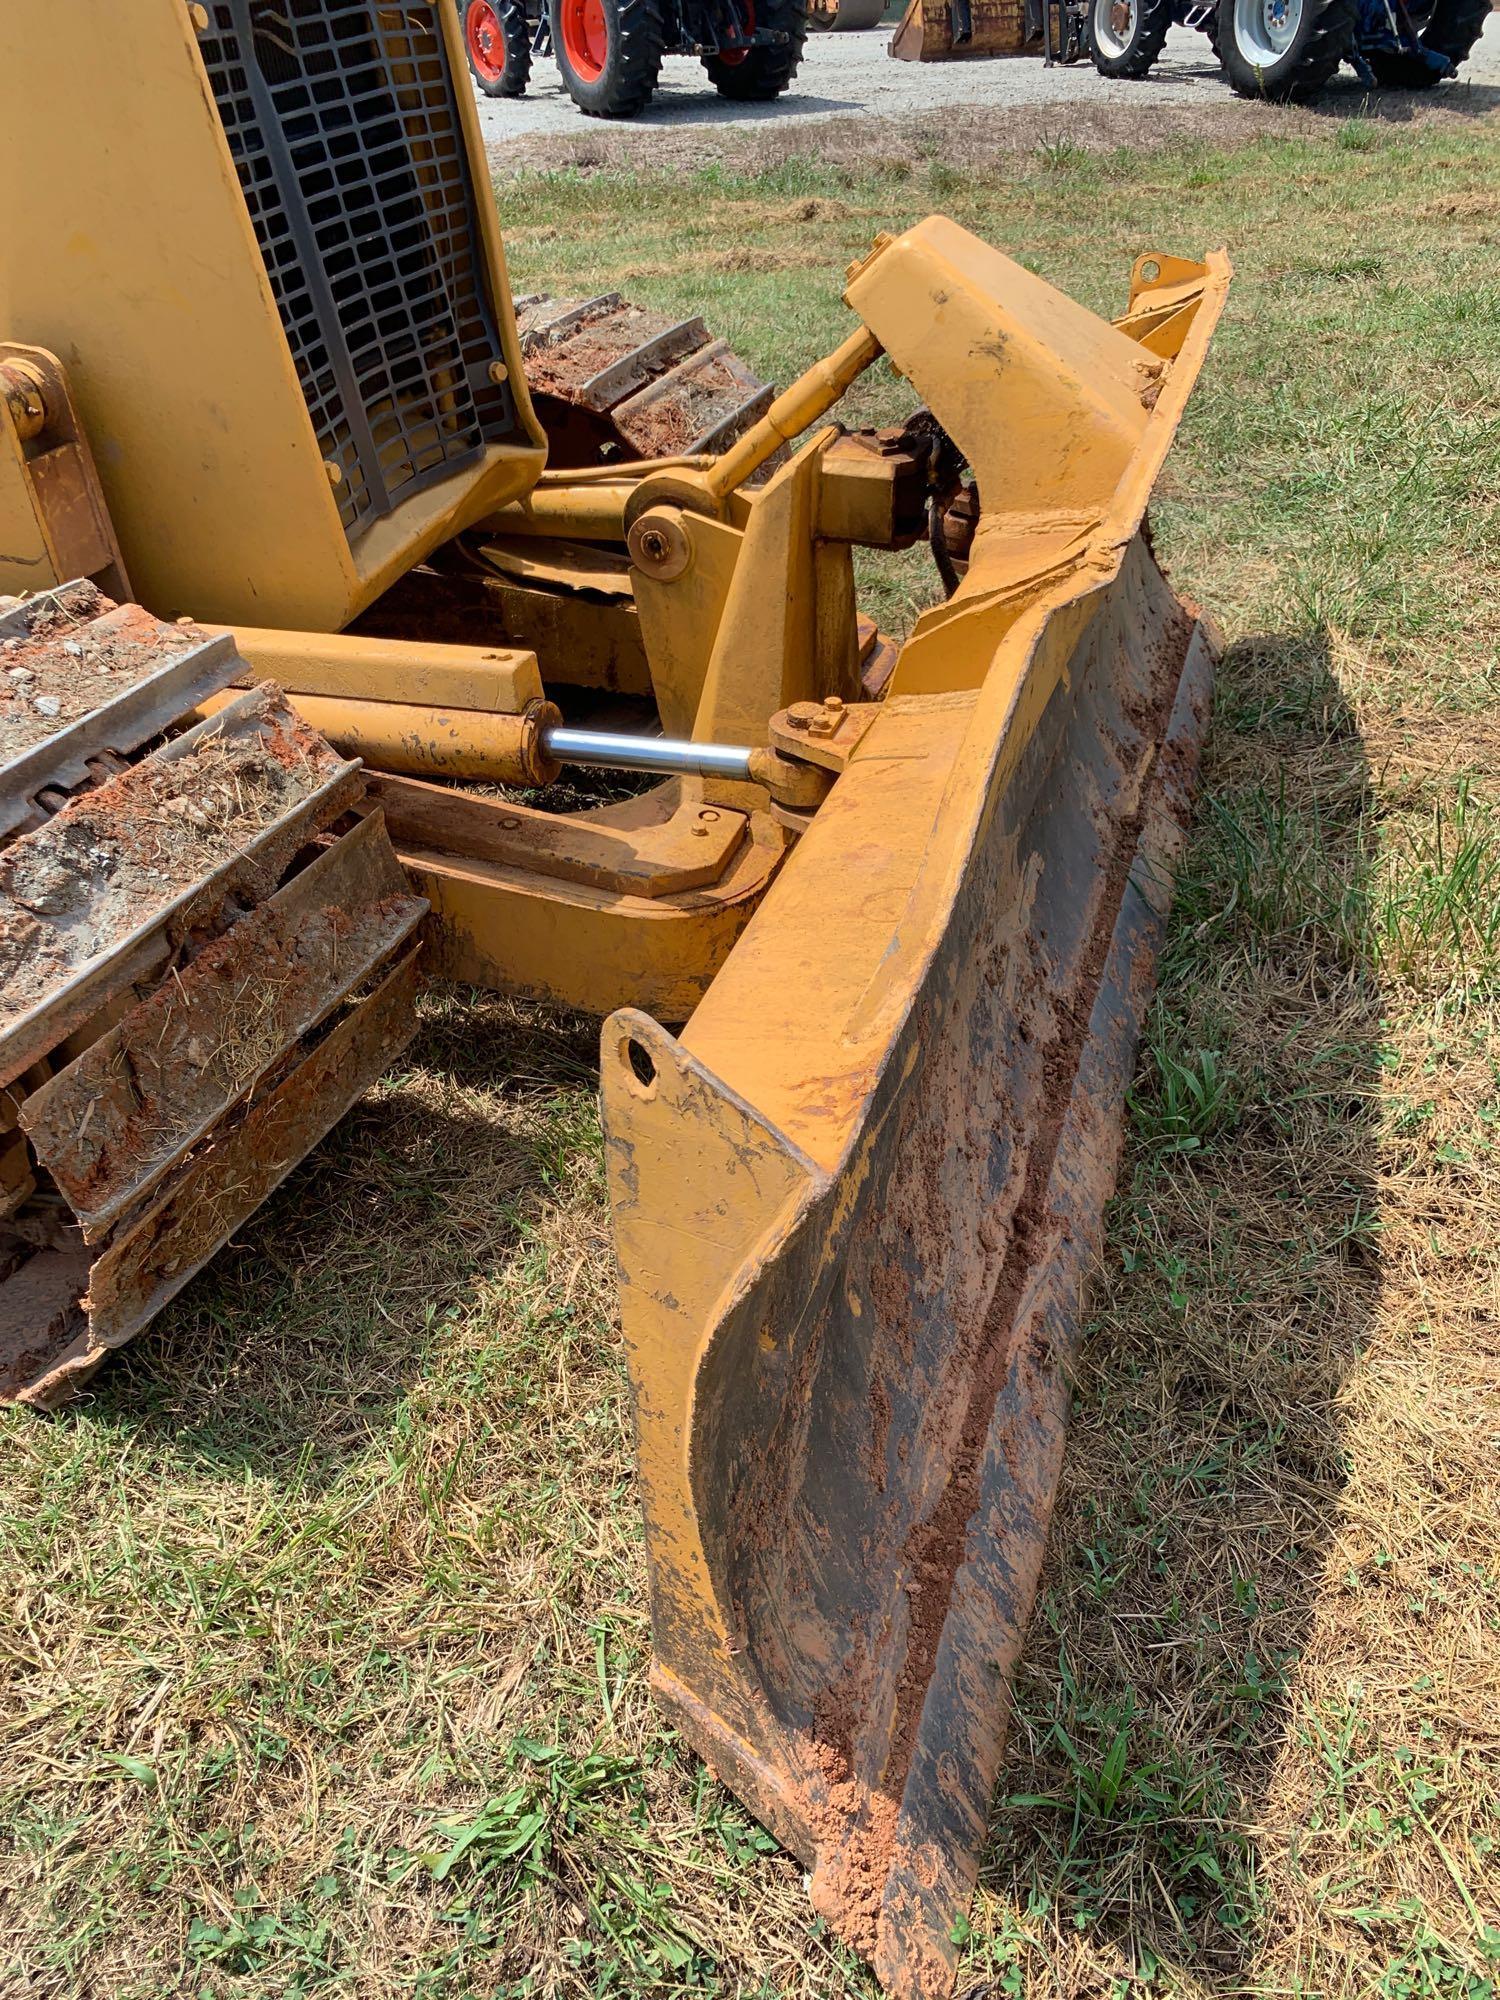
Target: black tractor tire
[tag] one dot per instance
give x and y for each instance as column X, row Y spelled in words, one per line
column 1454, row 26
column 758, row 75
column 1127, row 47
column 1321, row 39
column 1399, row 69
column 1450, row 28
column 609, row 52
column 497, row 41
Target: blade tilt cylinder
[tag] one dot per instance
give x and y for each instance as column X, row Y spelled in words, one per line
column 611, row 751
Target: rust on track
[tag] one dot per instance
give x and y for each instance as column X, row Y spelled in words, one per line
column 197, row 943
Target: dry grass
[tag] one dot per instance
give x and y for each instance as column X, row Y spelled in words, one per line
column 988, row 139
column 326, row 1647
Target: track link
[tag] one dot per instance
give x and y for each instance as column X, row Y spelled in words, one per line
column 205, row 956
column 615, row 380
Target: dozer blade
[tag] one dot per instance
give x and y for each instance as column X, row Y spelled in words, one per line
column 203, row 961
column 928, row 31
column 857, row 1200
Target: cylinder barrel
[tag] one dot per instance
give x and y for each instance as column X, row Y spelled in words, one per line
column 422, row 742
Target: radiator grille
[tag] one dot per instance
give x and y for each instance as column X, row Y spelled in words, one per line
column 343, row 125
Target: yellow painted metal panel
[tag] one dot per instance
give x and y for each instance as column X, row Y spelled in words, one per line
column 129, row 252
column 981, row 338
column 581, row 947
column 681, row 617
column 24, row 560
column 494, row 679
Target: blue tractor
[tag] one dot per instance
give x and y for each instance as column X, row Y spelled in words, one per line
column 1288, row 49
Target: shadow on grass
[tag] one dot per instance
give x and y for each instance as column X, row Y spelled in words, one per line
column 711, row 109
column 1205, row 1462
column 675, row 105
column 337, row 1300
column 1347, row 98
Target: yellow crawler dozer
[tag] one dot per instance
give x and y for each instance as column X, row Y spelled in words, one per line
column 302, row 613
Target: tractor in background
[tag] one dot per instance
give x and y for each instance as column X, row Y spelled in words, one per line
column 1289, row 49
column 1275, row 49
column 610, row 51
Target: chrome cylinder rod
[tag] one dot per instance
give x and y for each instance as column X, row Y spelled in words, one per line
column 608, row 750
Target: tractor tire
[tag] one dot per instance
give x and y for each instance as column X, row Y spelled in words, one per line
column 497, row 41
column 1454, row 26
column 1450, row 28
column 609, row 52
column 1283, row 50
column 755, row 76
column 1125, row 36
column 1399, row 69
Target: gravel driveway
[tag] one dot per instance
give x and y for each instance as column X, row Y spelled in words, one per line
column 851, row 75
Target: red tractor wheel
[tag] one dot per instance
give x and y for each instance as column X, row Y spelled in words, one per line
column 759, row 74
column 585, row 36
column 609, row 52
column 497, row 41
column 732, row 58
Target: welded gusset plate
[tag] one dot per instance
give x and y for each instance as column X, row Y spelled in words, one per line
column 111, row 1124
column 96, row 895
column 855, row 1205
column 80, row 676
column 655, row 844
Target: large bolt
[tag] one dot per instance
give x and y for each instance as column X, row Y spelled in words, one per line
column 659, row 545
column 21, row 391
